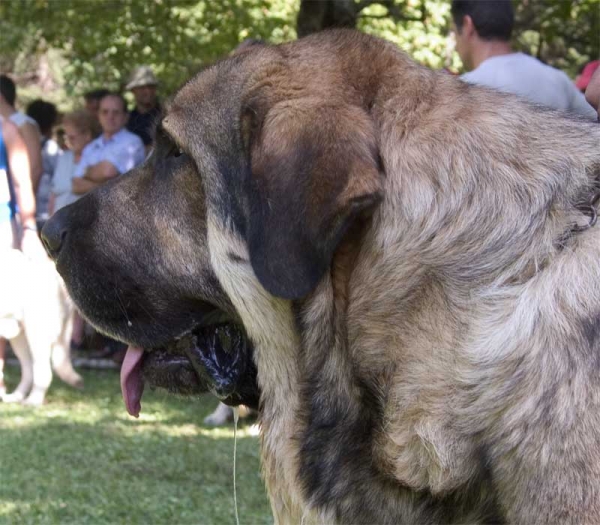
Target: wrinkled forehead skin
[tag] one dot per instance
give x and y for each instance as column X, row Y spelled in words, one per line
column 207, row 116
column 279, row 136
column 204, row 119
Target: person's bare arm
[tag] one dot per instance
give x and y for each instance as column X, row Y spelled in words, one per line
column 18, row 161
column 81, row 185
column 31, row 136
column 101, row 172
column 20, row 169
column 592, row 93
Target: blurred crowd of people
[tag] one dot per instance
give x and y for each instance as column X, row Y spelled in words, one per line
column 59, row 158
column 74, row 153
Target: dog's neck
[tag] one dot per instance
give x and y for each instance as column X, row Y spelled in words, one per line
column 269, row 322
column 323, row 356
column 340, row 408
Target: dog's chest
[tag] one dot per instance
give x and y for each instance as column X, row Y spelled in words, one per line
column 409, row 353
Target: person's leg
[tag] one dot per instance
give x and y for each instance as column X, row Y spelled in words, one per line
column 77, row 333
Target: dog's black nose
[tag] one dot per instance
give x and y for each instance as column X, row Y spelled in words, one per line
column 54, row 234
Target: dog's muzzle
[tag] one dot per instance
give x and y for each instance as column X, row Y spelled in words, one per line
column 215, row 359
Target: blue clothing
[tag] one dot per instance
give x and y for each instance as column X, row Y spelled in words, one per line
column 6, row 211
column 124, row 150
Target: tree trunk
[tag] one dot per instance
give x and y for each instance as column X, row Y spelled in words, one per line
column 316, row 15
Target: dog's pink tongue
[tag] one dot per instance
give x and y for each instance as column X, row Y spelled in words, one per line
column 132, row 385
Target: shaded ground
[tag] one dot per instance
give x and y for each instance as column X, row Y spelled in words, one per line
column 81, row 459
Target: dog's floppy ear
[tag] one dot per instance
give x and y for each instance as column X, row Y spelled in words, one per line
column 314, row 168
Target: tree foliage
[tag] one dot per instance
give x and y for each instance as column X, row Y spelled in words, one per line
column 562, row 33
column 103, row 40
column 70, row 46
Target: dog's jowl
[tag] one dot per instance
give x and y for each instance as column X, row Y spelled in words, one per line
column 385, row 261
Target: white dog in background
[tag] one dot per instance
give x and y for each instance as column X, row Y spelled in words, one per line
column 35, row 317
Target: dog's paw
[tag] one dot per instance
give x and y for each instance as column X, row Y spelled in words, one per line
column 15, row 397
column 76, row 382
column 221, row 416
column 36, row 398
column 35, row 402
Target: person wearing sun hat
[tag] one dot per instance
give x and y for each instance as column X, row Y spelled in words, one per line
column 143, row 84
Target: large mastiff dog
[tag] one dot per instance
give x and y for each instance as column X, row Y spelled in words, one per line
column 406, row 264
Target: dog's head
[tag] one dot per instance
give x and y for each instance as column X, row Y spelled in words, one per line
column 276, row 146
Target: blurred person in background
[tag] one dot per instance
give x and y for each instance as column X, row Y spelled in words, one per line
column 116, row 151
column 592, row 92
column 583, row 79
column 113, row 153
column 17, row 204
column 80, row 128
column 92, row 101
column 46, row 115
column 482, row 31
column 142, row 119
column 27, row 127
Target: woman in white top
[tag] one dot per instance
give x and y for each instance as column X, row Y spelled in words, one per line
column 80, row 128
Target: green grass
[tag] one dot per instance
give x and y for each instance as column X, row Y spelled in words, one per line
column 81, row 459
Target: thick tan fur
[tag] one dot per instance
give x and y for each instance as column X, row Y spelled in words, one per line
column 467, row 309
column 401, row 250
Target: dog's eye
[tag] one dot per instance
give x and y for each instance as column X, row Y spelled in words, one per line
column 175, row 151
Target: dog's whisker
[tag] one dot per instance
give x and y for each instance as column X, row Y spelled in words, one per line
column 122, row 306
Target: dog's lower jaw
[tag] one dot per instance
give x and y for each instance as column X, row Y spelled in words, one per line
column 212, row 358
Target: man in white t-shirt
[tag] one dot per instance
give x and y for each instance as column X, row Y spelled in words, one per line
column 113, row 153
column 483, row 30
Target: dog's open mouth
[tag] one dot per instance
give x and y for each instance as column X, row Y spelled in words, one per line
column 216, row 359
